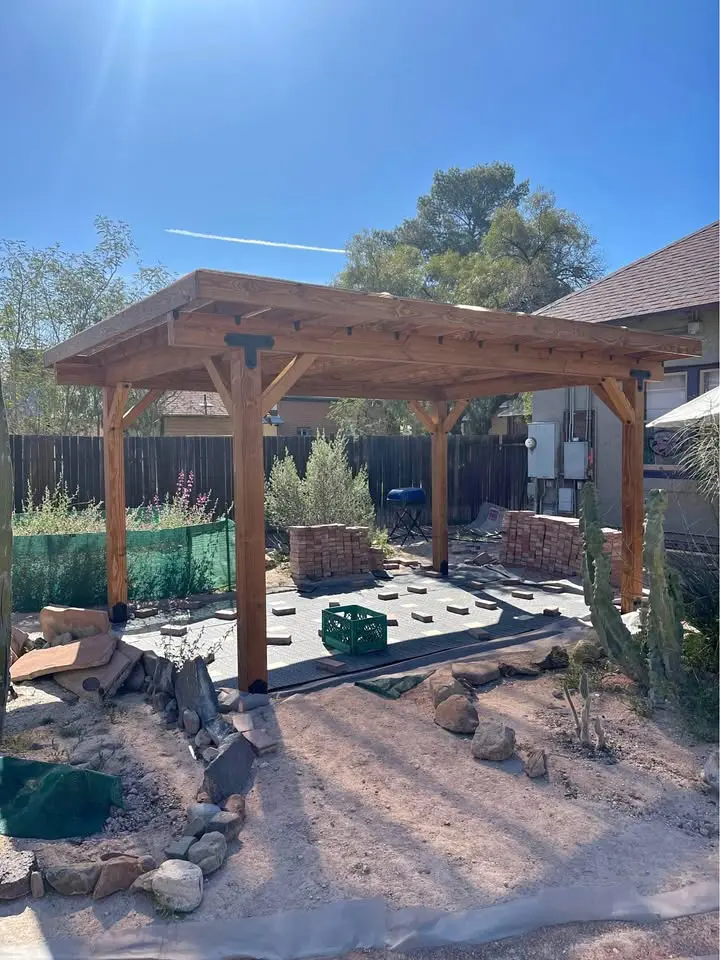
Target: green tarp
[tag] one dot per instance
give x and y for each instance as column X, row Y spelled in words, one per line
column 51, row 801
column 394, row 686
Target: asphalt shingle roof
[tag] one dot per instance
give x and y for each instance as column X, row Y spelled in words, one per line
column 678, row 277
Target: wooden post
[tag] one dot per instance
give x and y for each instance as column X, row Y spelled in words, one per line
column 633, row 440
column 114, row 399
column 439, row 489
column 246, row 395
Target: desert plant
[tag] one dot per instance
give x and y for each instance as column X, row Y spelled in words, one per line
column 697, row 449
column 619, row 643
column 582, row 721
column 330, row 492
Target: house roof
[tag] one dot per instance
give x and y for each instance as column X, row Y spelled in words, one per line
column 680, row 276
column 196, row 403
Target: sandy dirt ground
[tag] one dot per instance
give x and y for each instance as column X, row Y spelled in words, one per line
column 368, row 797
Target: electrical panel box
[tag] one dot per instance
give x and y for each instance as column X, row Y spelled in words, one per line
column 575, row 459
column 542, row 454
column 566, row 500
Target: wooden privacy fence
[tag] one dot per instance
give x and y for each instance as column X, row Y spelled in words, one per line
column 479, row 468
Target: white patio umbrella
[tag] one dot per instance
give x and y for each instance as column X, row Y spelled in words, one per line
column 706, row 405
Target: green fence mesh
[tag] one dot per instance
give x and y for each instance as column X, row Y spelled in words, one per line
column 70, row 569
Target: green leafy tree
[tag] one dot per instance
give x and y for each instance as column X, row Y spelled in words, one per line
column 47, row 296
column 479, row 237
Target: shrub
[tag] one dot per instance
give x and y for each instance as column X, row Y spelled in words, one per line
column 328, row 493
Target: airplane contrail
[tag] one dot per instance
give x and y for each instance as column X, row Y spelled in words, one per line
column 259, row 243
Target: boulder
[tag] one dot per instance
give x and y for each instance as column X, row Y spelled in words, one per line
column 18, row 641
column 226, row 823
column 235, row 803
column 208, row 852
column 194, row 690
column 74, row 879
column 78, row 621
column 493, row 740
column 444, row 685
column 97, row 683
column 228, row 699
column 191, row 722
column 163, row 676
column 251, row 701
column 202, row 739
column 209, row 754
column 518, row 666
column 476, row 673
column 556, row 659
column 171, row 711
column 535, row 763
column 709, row 773
column 177, row 886
column 120, row 874
column 195, row 827
column 144, row 882
column 16, row 866
column 218, row 729
column 37, row 885
column 205, row 810
column 231, row 771
column 136, row 679
column 588, row 651
column 90, row 652
column 457, row 715
column 261, row 741
column 159, row 701
column 177, row 849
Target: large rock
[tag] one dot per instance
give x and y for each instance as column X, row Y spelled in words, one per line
column 120, row 874
column 74, row 879
column 18, row 640
column 231, row 771
column 97, row 683
column 164, row 676
column 91, row 748
column 208, row 852
column 457, row 715
column 90, row 652
column 194, row 690
column 493, row 740
column 135, row 681
column 15, row 869
column 556, row 659
column 218, row 729
column 476, row 673
column 709, row 772
column 78, row 621
column 535, row 763
column 177, row 886
column 227, row 823
column 518, row 666
column 191, row 722
column 444, row 685
column 588, row 650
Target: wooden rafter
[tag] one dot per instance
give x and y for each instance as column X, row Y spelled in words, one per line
column 612, row 395
column 285, row 380
column 221, row 387
column 423, row 416
column 452, row 418
column 132, row 415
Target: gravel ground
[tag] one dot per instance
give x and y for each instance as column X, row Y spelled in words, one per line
column 368, row 797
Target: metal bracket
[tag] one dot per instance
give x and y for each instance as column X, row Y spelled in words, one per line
column 250, row 343
column 640, row 376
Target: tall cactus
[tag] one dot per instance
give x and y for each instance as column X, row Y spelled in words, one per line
column 619, row 644
column 661, row 622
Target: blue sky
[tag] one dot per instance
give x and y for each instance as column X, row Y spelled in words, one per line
column 303, row 121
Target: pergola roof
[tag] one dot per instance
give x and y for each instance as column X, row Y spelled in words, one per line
column 354, row 344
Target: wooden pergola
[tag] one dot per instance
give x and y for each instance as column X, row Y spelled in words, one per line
column 252, row 339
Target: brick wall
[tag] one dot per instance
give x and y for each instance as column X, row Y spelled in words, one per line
column 331, row 549
column 552, row 544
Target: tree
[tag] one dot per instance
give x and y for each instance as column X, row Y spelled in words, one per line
column 6, row 509
column 47, row 296
column 479, row 238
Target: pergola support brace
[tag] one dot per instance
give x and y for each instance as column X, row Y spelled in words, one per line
column 285, row 380
column 114, row 400
column 134, row 413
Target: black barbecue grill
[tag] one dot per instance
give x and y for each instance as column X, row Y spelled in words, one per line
column 408, row 503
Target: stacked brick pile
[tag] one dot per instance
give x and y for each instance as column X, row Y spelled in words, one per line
column 331, row 550
column 552, row 544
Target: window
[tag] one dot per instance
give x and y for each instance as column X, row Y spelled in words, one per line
column 305, row 432
column 661, row 396
column 709, row 379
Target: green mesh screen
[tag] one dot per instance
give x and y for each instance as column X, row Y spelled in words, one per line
column 70, row 569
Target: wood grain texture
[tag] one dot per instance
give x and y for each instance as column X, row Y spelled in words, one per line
column 633, row 441
column 222, row 388
column 439, row 453
column 249, row 482
column 134, row 413
column 452, row 418
column 114, row 400
column 285, row 380
column 423, row 416
column 613, row 396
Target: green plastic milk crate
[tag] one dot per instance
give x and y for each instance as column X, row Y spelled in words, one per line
column 354, row 630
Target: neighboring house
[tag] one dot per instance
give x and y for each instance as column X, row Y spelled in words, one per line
column 674, row 291
column 510, row 421
column 204, row 415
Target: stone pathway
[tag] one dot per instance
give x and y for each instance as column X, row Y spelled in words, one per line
column 409, row 638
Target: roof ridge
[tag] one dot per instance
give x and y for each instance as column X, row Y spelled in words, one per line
column 628, row 266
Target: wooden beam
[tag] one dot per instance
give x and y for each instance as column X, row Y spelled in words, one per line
column 522, row 383
column 131, row 415
column 221, row 387
column 246, row 395
column 202, row 331
column 155, row 363
column 439, row 453
column 633, row 444
column 423, row 416
column 285, row 380
column 114, row 399
column 352, row 307
column 612, row 395
column 457, row 411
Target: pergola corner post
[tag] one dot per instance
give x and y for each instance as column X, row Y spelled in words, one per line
column 633, row 441
column 249, row 478
column 439, row 451
column 114, row 399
